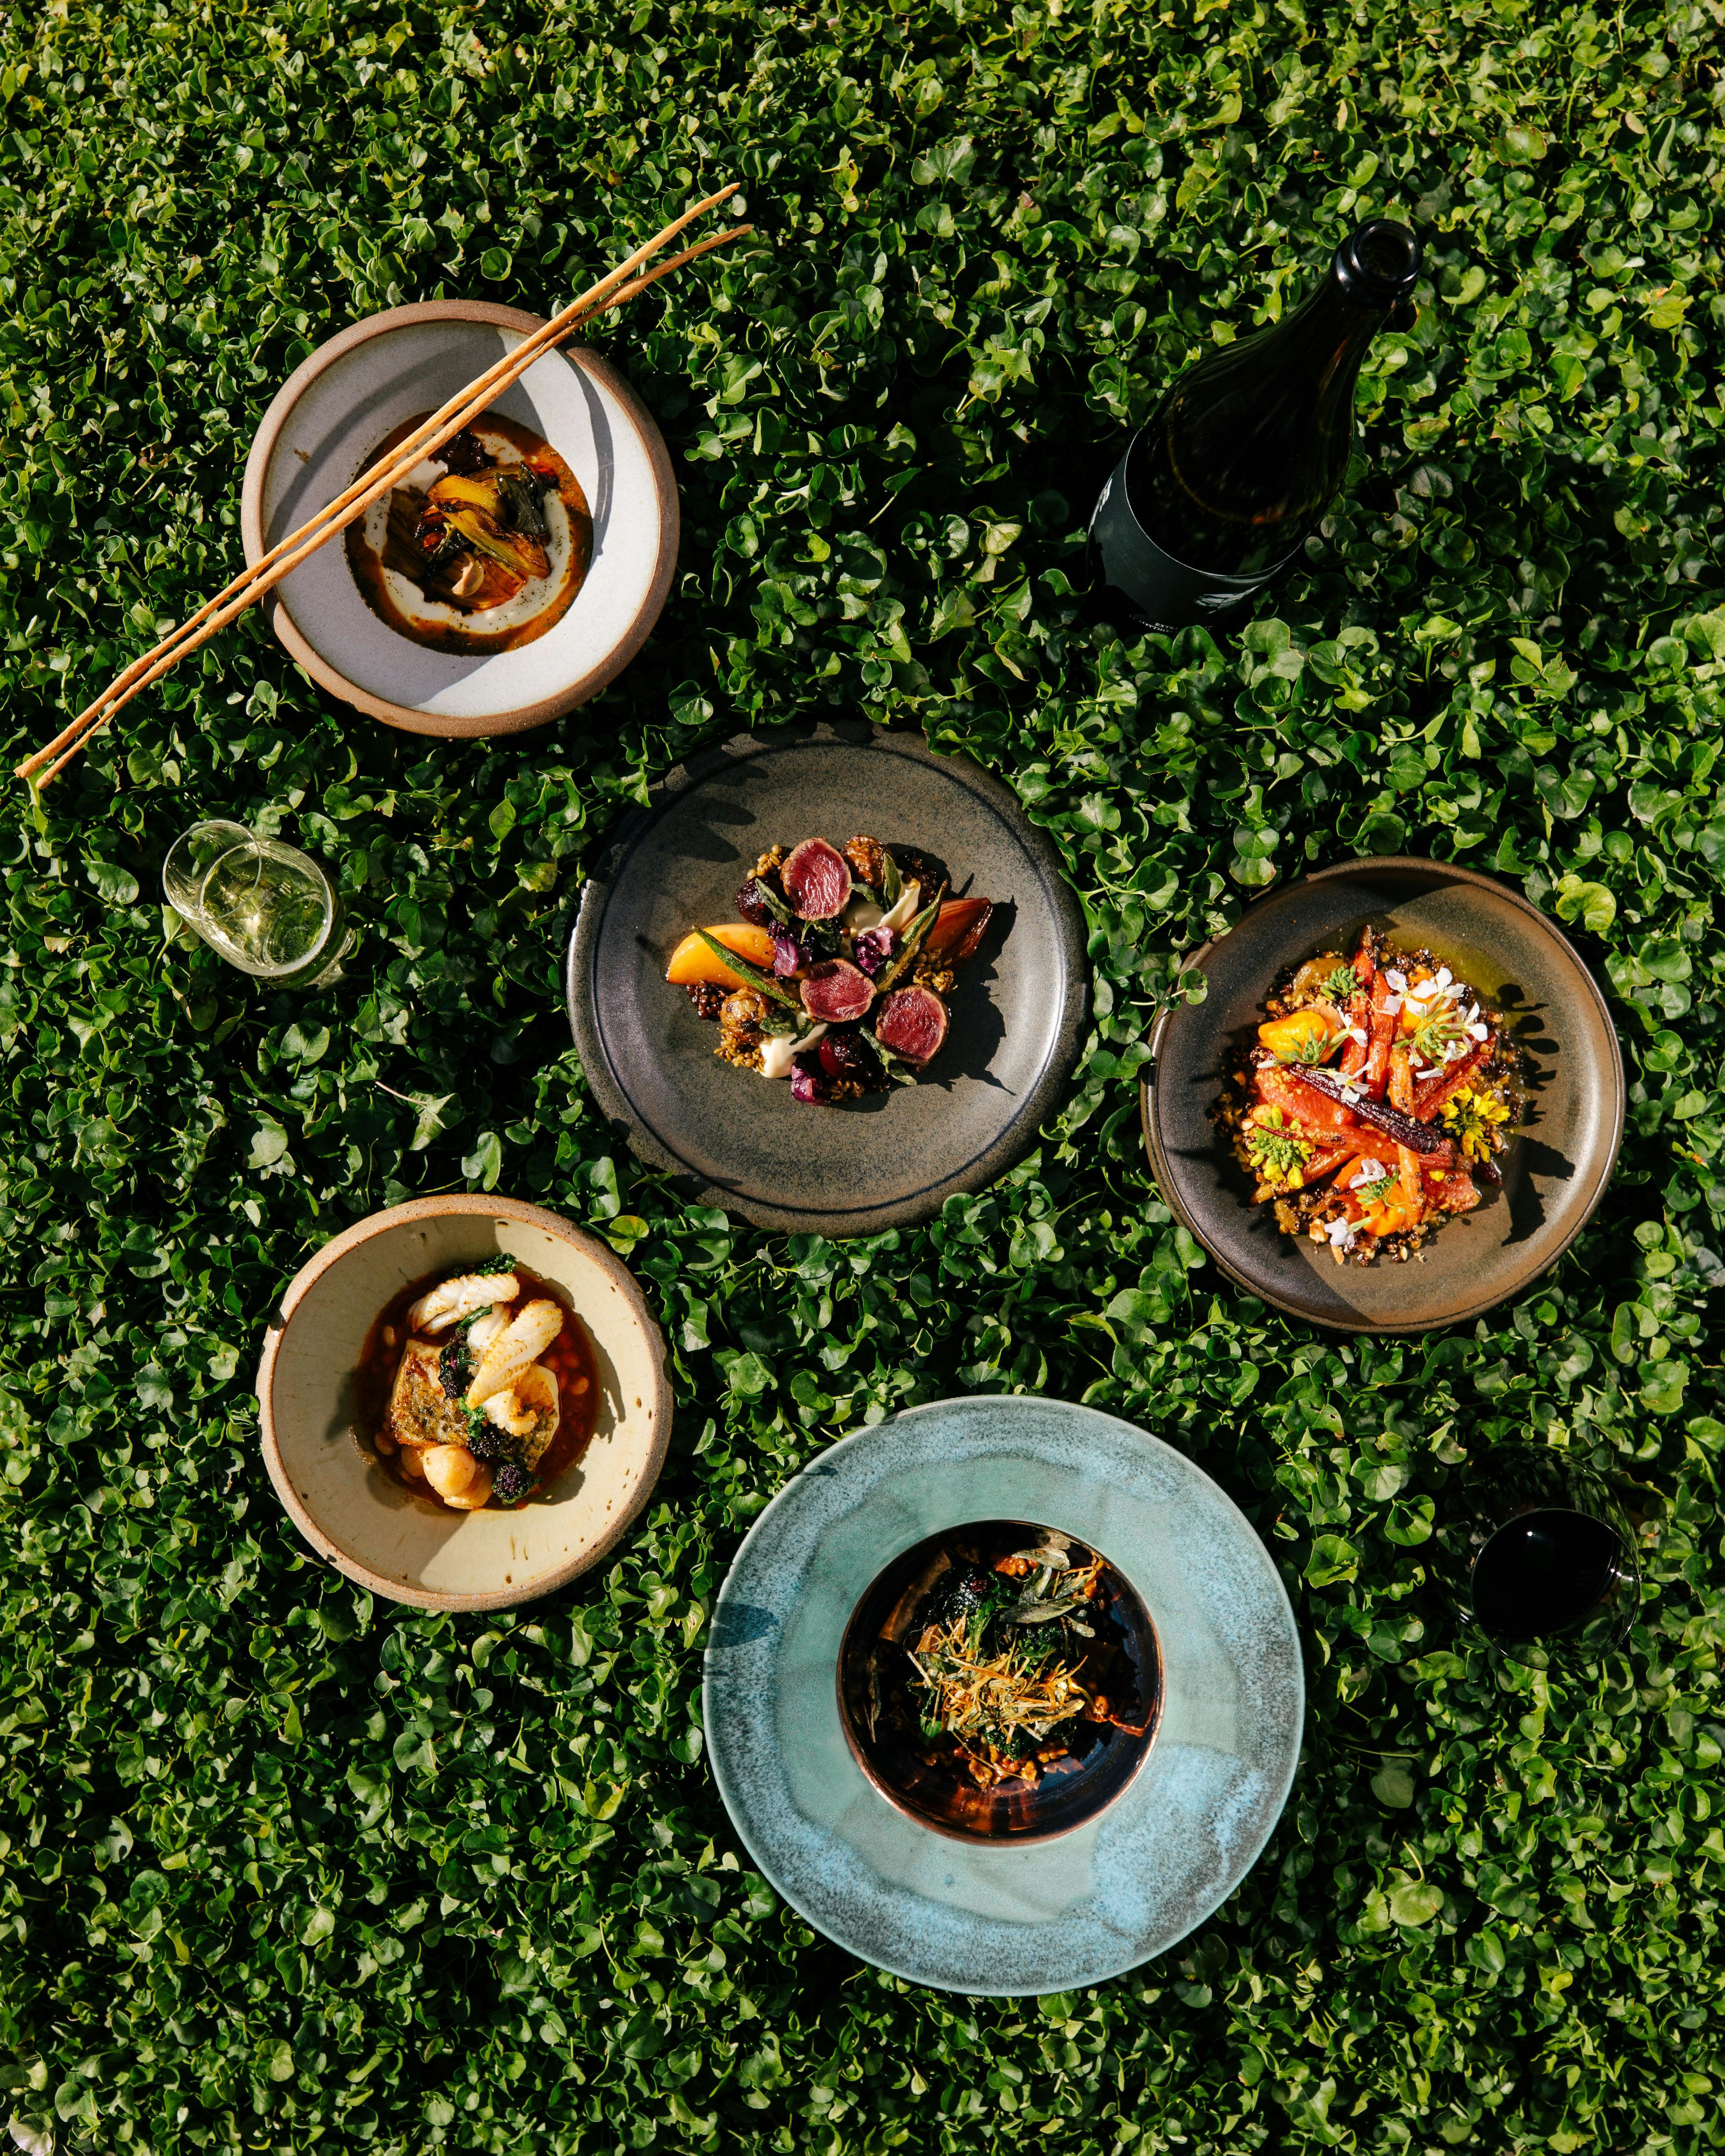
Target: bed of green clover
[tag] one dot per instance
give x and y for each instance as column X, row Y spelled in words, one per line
column 282, row 1868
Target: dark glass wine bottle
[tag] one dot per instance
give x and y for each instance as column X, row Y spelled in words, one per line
column 1215, row 496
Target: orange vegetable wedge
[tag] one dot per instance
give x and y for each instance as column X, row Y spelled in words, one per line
column 693, row 960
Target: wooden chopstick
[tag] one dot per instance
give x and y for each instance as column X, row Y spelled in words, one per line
column 459, row 411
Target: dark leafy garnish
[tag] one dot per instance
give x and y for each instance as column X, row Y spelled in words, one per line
column 455, row 1368
column 511, row 1481
column 485, row 1441
column 909, row 944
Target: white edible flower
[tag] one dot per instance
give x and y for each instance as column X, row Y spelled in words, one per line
column 1477, row 1032
column 1441, row 979
column 1341, row 1234
column 1355, row 1033
column 1392, row 1006
column 1370, row 1172
column 1398, row 981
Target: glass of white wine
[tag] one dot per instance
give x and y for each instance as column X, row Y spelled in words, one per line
column 264, row 906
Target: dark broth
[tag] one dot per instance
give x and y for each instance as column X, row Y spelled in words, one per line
column 569, row 1358
column 468, row 633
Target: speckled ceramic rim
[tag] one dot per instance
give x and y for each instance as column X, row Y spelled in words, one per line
column 409, row 716
column 1388, row 864
column 1037, row 1103
column 1005, row 1918
column 484, row 1209
column 957, row 1834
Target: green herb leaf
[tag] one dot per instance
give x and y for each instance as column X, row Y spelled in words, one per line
column 752, row 974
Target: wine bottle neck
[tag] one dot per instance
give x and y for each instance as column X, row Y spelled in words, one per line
column 1327, row 336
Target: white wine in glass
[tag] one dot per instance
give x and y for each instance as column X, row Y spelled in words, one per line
column 264, row 906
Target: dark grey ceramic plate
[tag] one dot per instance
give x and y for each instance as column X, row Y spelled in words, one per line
column 1554, row 1175
column 1002, row 1918
column 1019, row 1010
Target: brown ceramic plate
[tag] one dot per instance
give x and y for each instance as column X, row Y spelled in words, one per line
column 1019, row 1009
column 1553, row 1174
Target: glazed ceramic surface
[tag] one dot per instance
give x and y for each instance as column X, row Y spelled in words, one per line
column 1018, row 1011
column 320, row 432
column 352, row 1510
column 1553, row 1174
column 996, row 1918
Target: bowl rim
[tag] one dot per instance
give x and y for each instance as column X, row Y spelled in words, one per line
column 877, row 1782
column 470, row 1204
column 408, row 716
column 1369, row 865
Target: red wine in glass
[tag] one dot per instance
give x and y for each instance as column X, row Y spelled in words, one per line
column 1542, row 1557
column 1545, row 1572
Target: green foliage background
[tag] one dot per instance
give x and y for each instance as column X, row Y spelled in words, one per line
column 282, row 1868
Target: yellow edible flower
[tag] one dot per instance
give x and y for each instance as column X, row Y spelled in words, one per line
column 1473, row 1117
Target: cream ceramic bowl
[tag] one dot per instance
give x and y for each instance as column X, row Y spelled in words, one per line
column 348, row 1505
column 320, row 434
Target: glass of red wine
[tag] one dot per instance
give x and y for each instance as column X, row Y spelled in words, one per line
column 1541, row 1557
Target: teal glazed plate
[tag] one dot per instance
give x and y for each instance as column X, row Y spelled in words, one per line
column 998, row 1918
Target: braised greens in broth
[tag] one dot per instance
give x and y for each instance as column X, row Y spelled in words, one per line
column 1000, row 1679
column 485, row 548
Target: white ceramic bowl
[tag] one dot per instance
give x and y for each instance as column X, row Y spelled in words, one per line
column 354, row 1513
column 319, row 433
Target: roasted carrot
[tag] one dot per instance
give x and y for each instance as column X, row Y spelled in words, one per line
column 1326, row 1163
column 1456, row 1192
column 1385, row 1021
column 1432, row 1093
column 1401, row 1095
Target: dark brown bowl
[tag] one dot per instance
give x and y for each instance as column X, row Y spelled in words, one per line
column 1068, row 1791
column 1554, row 1173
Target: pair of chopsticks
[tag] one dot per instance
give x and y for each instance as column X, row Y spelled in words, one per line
column 613, row 289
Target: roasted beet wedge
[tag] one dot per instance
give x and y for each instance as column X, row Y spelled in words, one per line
column 817, row 879
column 754, row 902
column 837, row 993
column 912, row 1023
column 844, row 1053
